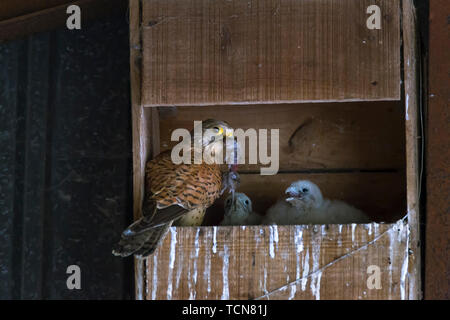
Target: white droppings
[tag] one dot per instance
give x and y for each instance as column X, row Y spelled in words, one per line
column 353, row 231
column 370, row 230
column 155, row 275
column 392, row 244
column 407, row 105
column 293, row 290
column 315, row 287
column 225, row 290
column 305, row 270
column 214, row 248
column 317, row 275
column 275, row 234
column 173, row 242
column 399, row 229
column 207, row 271
column 265, row 281
column 189, row 283
column 196, row 243
column 376, row 226
column 298, row 239
column 340, row 235
column 404, row 270
column 271, row 246
column 195, row 258
column 179, row 268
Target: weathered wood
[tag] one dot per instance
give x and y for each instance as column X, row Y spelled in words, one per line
column 204, row 52
column 349, row 135
column 140, row 130
column 381, row 194
column 284, row 262
column 437, row 242
column 193, row 60
column 413, row 166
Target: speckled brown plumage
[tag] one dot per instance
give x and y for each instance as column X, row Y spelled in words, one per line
column 176, row 194
column 186, row 185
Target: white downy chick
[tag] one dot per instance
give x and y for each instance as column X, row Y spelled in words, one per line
column 239, row 212
column 305, row 205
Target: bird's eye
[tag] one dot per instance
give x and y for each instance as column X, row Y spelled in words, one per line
column 246, row 201
column 229, row 201
column 218, row 130
column 304, row 190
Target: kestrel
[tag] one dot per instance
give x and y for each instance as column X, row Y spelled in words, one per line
column 306, row 205
column 177, row 193
column 238, row 211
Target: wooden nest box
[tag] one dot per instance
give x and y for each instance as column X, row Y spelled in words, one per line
column 344, row 99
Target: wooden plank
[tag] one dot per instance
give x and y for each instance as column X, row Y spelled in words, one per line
column 50, row 17
column 284, row 262
column 204, row 52
column 437, row 242
column 362, row 190
column 367, row 135
column 413, row 166
column 140, row 131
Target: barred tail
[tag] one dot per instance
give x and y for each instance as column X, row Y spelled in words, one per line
column 141, row 244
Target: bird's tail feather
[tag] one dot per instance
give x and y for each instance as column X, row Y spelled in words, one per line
column 154, row 241
column 141, row 244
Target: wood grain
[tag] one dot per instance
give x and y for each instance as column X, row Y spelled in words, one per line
column 413, row 161
column 140, row 133
column 437, row 242
column 203, row 52
column 367, row 135
column 284, row 262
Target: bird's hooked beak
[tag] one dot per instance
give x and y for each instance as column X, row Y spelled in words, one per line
column 293, row 193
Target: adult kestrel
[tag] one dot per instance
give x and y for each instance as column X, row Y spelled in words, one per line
column 178, row 193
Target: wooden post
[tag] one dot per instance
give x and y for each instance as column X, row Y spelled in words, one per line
column 412, row 114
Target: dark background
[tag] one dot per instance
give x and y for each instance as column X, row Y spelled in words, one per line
column 66, row 160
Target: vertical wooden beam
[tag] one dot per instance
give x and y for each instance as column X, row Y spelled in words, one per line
column 138, row 119
column 437, row 263
column 412, row 115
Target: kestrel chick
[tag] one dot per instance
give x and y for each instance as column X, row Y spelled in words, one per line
column 178, row 193
column 238, row 211
column 305, row 205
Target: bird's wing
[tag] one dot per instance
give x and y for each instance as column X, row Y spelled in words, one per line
column 141, row 244
column 171, row 191
column 156, row 235
column 187, row 185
